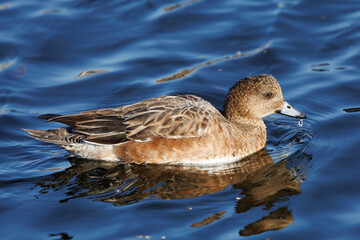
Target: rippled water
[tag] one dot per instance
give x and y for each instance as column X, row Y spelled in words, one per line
column 64, row 56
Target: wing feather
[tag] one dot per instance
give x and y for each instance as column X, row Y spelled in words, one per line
column 168, row 116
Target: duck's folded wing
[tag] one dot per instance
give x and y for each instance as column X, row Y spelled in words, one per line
column 168, row 117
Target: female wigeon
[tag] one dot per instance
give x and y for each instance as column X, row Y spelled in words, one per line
column 183, row 129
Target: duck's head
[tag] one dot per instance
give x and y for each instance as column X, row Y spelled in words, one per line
column 256, row 97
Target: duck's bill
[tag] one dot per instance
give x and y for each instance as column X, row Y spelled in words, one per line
column 288, row 110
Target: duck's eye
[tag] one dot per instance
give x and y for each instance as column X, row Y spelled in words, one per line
column 269, row 95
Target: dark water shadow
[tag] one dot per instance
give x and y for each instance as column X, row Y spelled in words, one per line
column 60, row 236
column 261, row 182
column 352, row 110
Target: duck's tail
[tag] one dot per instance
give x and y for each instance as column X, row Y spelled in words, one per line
column 59, row 136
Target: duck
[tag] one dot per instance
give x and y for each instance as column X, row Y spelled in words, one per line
column 175, row 129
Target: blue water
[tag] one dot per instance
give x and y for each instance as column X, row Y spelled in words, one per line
column 308, row 190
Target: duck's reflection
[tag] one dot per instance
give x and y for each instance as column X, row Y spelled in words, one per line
column 262, row 183
column 265, row 187
column 276, row 220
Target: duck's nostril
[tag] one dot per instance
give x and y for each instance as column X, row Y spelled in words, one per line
column 288, row 107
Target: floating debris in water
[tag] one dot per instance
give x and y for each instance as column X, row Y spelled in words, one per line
column 91, row 72
column 301, row 122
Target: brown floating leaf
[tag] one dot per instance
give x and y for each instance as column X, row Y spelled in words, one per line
column 190, row 70
column 179, row 5
column 91, row 72
column 5, row 65
column 4, row 6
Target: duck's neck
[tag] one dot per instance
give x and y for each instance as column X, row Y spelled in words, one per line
column 250, row 122
column 241, row 116
column 237, row 111
column 259, row 123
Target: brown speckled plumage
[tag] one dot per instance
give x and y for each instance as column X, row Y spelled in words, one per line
column 173, row 129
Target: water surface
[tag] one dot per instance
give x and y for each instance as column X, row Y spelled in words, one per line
column 64, row 56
